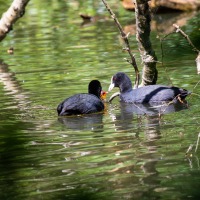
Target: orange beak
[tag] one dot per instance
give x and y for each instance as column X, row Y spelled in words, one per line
column 103, row 95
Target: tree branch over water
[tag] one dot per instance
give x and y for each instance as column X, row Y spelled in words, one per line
column 125, row 39
column 178, row 30
column 143, row 29
column 16, row 11
column 149, row 59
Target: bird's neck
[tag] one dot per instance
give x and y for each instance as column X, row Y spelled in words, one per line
column 126, row 86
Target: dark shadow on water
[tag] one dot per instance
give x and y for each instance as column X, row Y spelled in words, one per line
column 91, row 122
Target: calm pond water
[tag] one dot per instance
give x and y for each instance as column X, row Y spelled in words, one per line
column 118, row 154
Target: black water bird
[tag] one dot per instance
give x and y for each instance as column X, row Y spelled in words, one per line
column 146, row 94
column 83, row 103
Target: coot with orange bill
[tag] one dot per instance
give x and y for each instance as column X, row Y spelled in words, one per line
column 83, row 103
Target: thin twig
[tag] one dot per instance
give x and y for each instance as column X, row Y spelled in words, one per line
column 191, row 44
column 197, row 161
column 189, row 149
column 197, row 143
column 176, row 99
column 125, row 38
column 162, row 55
column 196, row 84
column 178, row 30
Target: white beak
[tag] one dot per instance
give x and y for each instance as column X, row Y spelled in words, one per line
column 112, row 85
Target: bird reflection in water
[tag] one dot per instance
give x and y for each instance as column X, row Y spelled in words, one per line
column 152, row 109
column 124, row 120
column 93, row 122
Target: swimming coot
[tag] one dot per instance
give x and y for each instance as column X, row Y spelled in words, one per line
column 83, row 103
column 146, row 94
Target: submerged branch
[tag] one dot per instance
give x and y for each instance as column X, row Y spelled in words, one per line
column 198, row 63
column 116, row 94
column 126, row 41
column 190, row 148
column 197, row 144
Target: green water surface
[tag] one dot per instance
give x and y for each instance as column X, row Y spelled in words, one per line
column 117, row 154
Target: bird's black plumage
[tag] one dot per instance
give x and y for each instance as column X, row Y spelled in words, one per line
column 146, row 94
column 83, row 103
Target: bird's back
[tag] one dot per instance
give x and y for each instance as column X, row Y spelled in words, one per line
column 80, row 104
column 153, row 93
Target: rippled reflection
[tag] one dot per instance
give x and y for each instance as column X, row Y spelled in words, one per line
column 152, row 109
column 12, row 87
column 91, row 122
column 153, row 112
